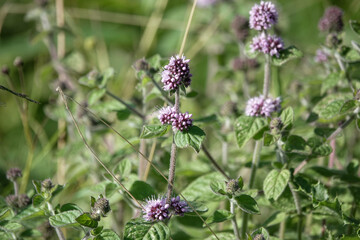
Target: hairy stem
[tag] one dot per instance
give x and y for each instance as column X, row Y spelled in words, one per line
column 173, row 153
column 298, row 209
column 267, row 76
column 233, row 220
column 59, row 233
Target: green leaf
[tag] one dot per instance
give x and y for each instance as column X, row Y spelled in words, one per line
column 110, row 189
column 155, row 61
column 29, row 213
column 355, row 26
column 219, row 216
column 269, row 139
column 150, row 131
column 95, row 95
column 286, row 55
column 348, row 106
column 247, row 204
column 124, row 168
column 319, row 192
column 70, row 206
column 199, row 190
column 332, row 109
column 37, row 185
column 247, row 127
column 6, row 212
column 295, row 142
column 249, row 51
column 275, row 219
column 123, row 114
column 192, row 137
column 331, row 81
column 86, row 221
column 261, row 231
column 275, row 183
column 107, row 234
column 38, row 200
column 287, row 116
column 65, row 218
column 97, row 230
column 222, row 236
column 218, row 187
column 141, row 190
column 322, row 150
column 192, row 94
column 12, row 226
column 108, row 74
column 139, row 229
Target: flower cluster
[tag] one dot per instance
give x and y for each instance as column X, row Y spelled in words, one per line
column 260, row 106
column 331, row 20
column 13, row 173
column 19, row 201
column 263, row 16
column 177, row 72
column 267, row 44
column 321, row 56
column 159, row 210
column 179, row 121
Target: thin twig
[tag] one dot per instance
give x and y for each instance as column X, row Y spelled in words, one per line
column 212, row 160
column 126, row 104
column 92, row 151
column 21, row 95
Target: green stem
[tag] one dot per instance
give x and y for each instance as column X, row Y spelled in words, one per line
column 298, row 209
column 233, row 220
column 282, row 229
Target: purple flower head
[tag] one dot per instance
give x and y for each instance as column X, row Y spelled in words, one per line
column 166, row 115
column 267, row 44
column 177, row 72
column 156, row 210
column 261, row 107
column 331, row 20
column 179, row 121
column 179, row 206
column 321, row 56
column 205, row 3
column 182, row 121
column 263, row 16
column 13, row 173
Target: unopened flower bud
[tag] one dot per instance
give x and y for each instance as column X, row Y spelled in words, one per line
column 234, row 185
column 141, row 65
column 101, row 206
column 18, row 62
column 276, row 125
column 95, row 216
column 23, row 200
column 5, row 70
column 333, row 40
column 46, row 185
column 13, row 173
column 258, row 237
column 11, row 200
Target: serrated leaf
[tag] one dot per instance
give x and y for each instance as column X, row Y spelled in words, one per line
column 141, row 190
column 65, row 218
column 193, row 137
column 322, row 150
column 219, row 216
column 29, row 213
column 247, row 127
column 332, row 109
column 355, row 26
column 97, row 231
column 70, row 206
column 4, row 213
column 150, row 131
column 295, row 142
column 218, row 187
column 275, row 183
column 247, row 204
column 95, row 95
column 108, row 234
column 287, row 116
column 319, row 192
column 286, row 55
column 138, row 229
column 275, row 219
column 199, row 189
column 12, row 226
column 107, row 75
column 86, row 221
column 330, row 81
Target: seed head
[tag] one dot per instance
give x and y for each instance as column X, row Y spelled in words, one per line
column 156, row 210
column 18, row 62
column 232, row 186
column 267, row 44
column 141, row 64
column 240, row 26
column 179, row 206
column 177, row 72
column 263, row 16
column 259, row 106
column 18, row 201
column 13, row 173
column 332, row 20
